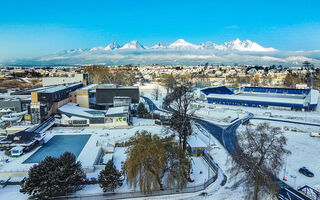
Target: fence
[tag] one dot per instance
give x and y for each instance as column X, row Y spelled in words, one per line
column 124, row 195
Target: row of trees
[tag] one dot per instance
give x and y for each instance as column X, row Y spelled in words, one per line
column 125, row 75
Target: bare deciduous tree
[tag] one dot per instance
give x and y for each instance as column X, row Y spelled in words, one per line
column 155, row 92
column 260, row 159
column 170, row 82
column 181, row 99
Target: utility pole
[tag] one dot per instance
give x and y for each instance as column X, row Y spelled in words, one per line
column 294, row 185
column 209, row 155
column 285, row 169
column 152, row 110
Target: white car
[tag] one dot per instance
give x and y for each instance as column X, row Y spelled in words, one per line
column 315, row 134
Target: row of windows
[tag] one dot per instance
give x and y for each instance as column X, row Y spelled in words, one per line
column 79, row 122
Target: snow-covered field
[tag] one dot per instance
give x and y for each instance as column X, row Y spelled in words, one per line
column 234, row 111
column 219, row 115
column 304, row 149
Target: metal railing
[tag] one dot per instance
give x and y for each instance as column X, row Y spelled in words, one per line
column 168, row 191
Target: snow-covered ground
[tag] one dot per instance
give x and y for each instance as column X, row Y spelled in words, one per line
column 217, row 115
column 12, row 192
column 148, row 90
column 231, row 190
column 304, row 149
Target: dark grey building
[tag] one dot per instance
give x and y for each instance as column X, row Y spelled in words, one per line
column 105, row 94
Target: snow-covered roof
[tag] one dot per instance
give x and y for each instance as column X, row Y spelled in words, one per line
column 258, row 98
column 107, row 157
column 195, row 142
column 314, row 96
column 91, row 86
column 59, row 87
column 18, row 148
column 117, row 110
column 73, row 109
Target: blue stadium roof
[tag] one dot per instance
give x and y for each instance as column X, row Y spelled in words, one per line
column 277, row 90
column 217, row 90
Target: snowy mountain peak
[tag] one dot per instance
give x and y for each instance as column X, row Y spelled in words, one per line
column 183, row 45
column 133, row 45
column 113, row 45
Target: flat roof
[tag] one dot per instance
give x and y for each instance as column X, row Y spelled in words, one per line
column 60, row 87
column 88, row 87
column 117, row 110
column 73, row 109
column 114, row 86
column 195, row 142
column 272, row 95
column 258, row 98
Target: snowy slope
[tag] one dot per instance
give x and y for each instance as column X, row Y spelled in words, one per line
column 111, row 46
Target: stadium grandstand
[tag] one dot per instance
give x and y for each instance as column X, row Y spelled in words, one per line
column 280, row 98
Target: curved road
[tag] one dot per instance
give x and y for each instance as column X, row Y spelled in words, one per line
column 227, row 137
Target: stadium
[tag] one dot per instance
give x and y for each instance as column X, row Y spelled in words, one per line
column 278, row 98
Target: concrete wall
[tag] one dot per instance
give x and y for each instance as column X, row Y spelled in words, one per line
column 83, row 101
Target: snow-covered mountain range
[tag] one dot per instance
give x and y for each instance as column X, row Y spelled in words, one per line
column 178, row 52
column 181, row 44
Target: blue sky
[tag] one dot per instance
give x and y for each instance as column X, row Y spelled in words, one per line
column 34, row 28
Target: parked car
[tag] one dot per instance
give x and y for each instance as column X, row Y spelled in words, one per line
column 306, row 172
column 315, row 134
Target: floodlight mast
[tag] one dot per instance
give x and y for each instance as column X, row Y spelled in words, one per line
column 309, row 67
column 204, row 69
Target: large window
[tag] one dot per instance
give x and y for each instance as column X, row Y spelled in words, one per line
column 80, row 122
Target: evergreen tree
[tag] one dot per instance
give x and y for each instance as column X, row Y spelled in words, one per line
column 110, row 178
column 141, row 110
column 71, row 174
column 53, row 177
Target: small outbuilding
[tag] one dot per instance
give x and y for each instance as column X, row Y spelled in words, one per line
column 196, row 146
column 17, row 151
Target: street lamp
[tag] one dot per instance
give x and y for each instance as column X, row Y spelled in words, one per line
column 295, row 177
column 209, row 155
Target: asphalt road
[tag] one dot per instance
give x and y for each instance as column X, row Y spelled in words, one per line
column 227, row 137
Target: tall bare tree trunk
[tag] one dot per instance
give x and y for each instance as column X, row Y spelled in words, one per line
column 256, row 187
